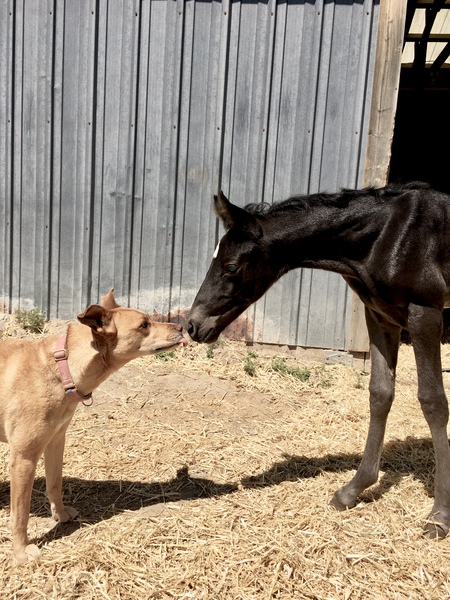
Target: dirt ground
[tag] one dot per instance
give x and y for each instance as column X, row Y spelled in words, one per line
column 207, row 474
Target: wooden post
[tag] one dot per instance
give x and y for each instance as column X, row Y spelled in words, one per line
column 388, row 62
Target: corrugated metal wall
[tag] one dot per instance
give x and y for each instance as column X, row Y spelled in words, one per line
column 119, row 119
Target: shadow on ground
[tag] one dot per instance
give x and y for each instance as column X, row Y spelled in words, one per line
column 100, row 500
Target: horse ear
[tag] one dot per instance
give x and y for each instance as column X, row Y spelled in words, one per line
column 234, row 216
column 225, row 210
column 108, row 301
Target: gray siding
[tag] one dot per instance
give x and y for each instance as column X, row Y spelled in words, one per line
column 120, row 119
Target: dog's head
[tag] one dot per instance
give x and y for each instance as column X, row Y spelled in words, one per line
column 126, row 333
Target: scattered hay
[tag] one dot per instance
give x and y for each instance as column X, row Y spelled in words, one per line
column 195, row 479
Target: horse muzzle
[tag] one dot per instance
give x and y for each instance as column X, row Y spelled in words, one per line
column 204, row 332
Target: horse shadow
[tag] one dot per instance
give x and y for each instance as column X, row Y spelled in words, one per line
column 400, row 458
column 101, row 500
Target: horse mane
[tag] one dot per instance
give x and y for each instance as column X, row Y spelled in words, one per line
column 341, row 199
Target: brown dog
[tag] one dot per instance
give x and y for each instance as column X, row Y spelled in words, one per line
column 41, row 383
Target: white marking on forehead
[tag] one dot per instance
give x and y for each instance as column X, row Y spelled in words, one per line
column 216, row 251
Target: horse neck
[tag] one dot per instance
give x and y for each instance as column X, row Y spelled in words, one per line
column 323, row 237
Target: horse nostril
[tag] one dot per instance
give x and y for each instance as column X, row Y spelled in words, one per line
column 192, row 330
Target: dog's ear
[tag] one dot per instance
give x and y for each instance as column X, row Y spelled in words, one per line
column 108, row 301
column 98, row 318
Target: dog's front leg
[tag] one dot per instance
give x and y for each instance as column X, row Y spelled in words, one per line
column 22, row 477
column 53, row 458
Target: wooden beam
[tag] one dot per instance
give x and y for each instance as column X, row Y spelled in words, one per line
column 432, row 3
column 440, row 60
column 433, row 37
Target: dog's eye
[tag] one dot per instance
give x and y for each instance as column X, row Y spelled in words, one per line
column 145, row 324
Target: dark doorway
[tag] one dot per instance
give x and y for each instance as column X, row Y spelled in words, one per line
column 421, row 143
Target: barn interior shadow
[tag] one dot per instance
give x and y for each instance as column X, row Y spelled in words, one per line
column 101, row 500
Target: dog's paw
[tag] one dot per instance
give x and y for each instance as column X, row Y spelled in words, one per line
column 28, row 554
column 68, row 514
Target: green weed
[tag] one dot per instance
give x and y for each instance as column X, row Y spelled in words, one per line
column 249, row 363
column 280, row 366
column 325, row 381
column 359, row 385
column 33, row 319
column 210, row 349
column 164, row 356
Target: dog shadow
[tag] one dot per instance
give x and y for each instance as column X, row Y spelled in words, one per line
column 101, row 500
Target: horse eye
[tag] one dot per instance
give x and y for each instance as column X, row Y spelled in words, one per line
column 231, row 268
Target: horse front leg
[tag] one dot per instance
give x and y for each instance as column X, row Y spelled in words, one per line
column 425, row 327
column 384, row 344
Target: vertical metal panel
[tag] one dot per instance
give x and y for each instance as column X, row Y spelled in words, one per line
column 320, row 99
column 73, row 126
column 121, row 48
column 32, row 94
column 121, row 118
column 6, row 143
column 200, row 133
column 156, row 154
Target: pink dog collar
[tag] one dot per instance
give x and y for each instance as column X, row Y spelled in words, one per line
column 60, row 356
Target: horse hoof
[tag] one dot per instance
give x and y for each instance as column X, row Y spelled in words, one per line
column 336, row 503
column 434, row 530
